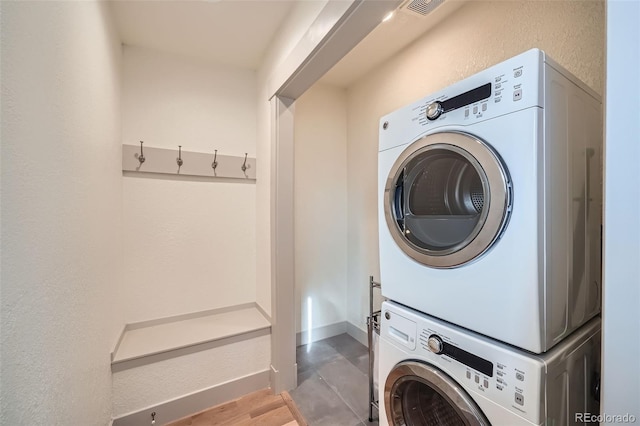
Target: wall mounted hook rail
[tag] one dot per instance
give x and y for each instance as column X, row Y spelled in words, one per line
column 163, row 161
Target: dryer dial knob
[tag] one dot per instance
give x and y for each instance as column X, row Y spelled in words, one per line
column 434, row 110
column 435, row 344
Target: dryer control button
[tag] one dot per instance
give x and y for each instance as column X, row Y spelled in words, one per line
column 519, row 398
column 435, row 344
column 434, row 110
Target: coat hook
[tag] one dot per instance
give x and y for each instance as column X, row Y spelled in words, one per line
column 141, row 156
column 215, row 162
column 244, row 165
column 179, row 159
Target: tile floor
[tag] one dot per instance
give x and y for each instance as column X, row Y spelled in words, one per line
column 333, row 386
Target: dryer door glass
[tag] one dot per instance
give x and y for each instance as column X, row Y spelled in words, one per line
column 443, row 200
column 447, row 199
column 418, row 394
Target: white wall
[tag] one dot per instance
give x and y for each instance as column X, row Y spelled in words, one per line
column 189, row 244
column 297, row 23
column 621, row 284
column 61, row 207
column 320, row 207
column 474, row 37
column 148, row 385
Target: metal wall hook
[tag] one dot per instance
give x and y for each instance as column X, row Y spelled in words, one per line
column 141, row 156
column 215, row 162
column 179, row 159
column 244, row 165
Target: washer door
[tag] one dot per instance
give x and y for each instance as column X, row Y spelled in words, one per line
column 447, row 199
column 417, row 394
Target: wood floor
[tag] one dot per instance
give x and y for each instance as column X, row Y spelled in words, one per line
column 261, row 408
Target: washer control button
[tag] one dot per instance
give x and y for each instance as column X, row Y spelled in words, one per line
column 466, row 112
column 517, row 73
column 517, row 95
column 486, row 383
column 435, row 344
column 434, row 110
column 520, row 376
column 477, row 379
column 519, row 399
column 475, row 109
column 468, row 374
column 484, row 107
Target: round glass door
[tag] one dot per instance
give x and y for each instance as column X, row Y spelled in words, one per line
column 417, row 394
column 447, row 199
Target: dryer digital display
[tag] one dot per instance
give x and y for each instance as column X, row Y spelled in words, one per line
column 476, row 95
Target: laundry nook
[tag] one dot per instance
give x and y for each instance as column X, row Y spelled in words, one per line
column 319, row 212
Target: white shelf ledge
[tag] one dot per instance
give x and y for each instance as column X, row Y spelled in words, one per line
column 150, row 341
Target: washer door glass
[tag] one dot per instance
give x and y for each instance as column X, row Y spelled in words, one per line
column 418, row 394
column 447, row 199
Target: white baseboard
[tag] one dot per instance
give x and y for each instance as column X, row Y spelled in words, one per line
column 320, row 333
column 198, row 401
column 357, row 333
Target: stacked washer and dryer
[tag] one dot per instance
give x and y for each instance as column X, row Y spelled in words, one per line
column 490, row 210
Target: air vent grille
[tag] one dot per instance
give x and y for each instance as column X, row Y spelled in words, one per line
column 421, row 7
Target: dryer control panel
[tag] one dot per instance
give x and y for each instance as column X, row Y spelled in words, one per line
column 510, row 86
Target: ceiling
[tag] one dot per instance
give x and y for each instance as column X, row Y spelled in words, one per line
column 387, row 39
column 238, row 32
column 231, row 32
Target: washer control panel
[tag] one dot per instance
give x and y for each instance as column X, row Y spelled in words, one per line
column 506, row 376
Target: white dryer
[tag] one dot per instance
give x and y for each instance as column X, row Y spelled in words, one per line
column 433, row 373
column 490, row 203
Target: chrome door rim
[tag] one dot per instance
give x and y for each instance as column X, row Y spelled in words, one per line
column 461, row 402
column 493, row 219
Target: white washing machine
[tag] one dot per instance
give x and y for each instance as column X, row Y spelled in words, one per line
column 490, row 203
column 434, row 373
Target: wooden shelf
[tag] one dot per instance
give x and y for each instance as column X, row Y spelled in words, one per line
column 149, row 341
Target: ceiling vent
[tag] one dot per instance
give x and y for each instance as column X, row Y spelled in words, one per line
column 420, row 7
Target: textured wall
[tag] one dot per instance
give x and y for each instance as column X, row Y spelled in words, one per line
column 621, row 285
column 299, row 20
column 476, row 36
column 189, row 244
column 61, row 207
column 320, row 195
column 151, row 384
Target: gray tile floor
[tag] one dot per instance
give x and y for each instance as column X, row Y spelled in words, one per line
column 333, row 386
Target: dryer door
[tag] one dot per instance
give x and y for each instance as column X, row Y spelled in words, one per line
column 417, row 394
column 447, row 199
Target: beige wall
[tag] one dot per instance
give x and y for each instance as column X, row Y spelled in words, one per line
column 61, row 209
column 320, row 197
column 189, row 244
column 476, row 36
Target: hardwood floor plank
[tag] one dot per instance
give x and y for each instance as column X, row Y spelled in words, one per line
column 260, row 408
column 267, row 407
column 277, row 417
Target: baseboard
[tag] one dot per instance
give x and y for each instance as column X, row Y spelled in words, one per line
column 357, row 333
column 178, row 408
column 319, row 333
